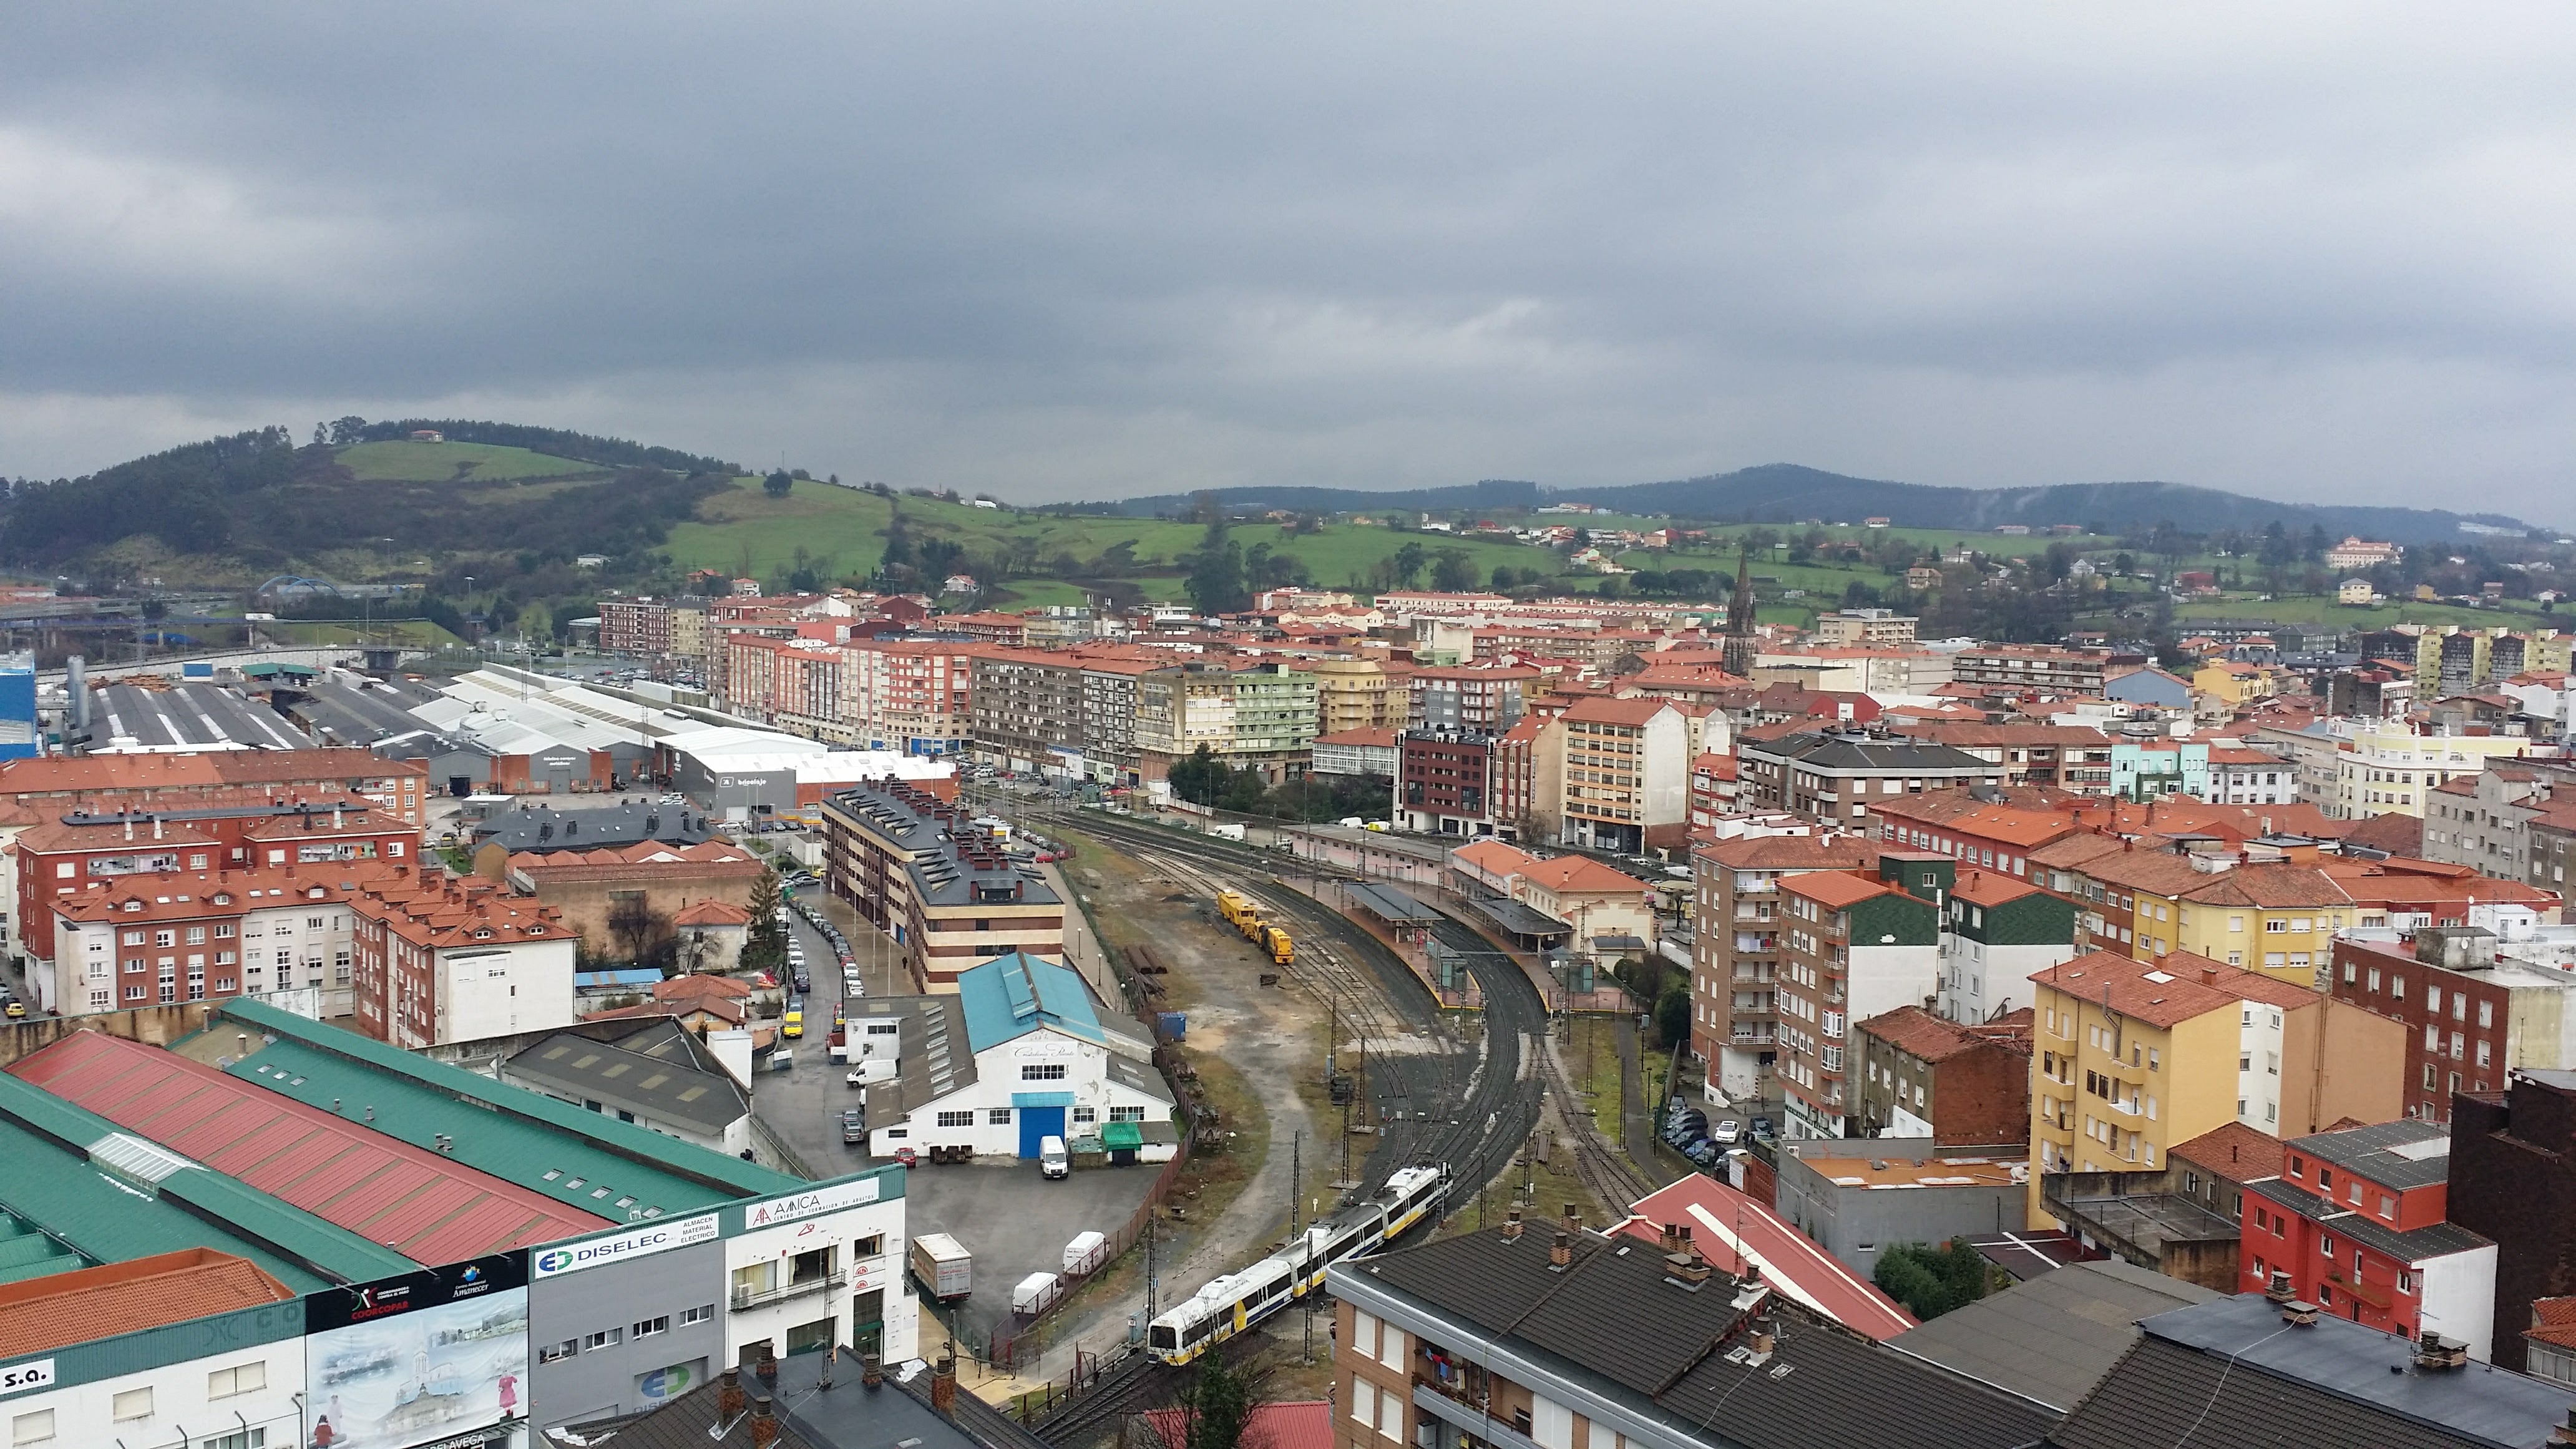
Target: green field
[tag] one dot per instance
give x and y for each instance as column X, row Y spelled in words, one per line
column 403, row 462
column 842, row 532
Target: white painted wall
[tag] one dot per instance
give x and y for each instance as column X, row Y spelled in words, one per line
column 2459, row 1299
column 503, row 988
column 84, row 1416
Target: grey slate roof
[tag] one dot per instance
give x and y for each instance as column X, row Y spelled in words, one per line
column 346, row 712
column 1835, row 750
column 935, row 1059
column 650, row 1069
column 1615, row 1323
column 543, row 829
column 2374, row 1153
column 2053, row 1337
column 2229, row 1373
column 2414, row 1245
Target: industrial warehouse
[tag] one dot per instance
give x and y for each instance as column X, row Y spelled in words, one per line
column 226, row 1224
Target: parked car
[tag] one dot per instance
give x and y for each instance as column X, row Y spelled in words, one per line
column 906, row 1156
column 854, row 1127
column 1727, row 1134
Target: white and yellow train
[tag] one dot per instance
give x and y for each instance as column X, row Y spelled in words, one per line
column 1237, row 1301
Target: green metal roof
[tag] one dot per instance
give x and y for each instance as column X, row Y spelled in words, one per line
column 1117, row 1135
column 514, row 1134
column 54, row 1194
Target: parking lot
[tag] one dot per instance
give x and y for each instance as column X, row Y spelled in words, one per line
column 1015, row 1222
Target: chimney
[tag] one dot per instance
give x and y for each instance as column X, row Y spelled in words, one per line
column 764, row 1424
column 1561, row 1255
column 2279, row 1290
column 943, row 1384
column 2299, row 1314
column 1672, row 1240
column 1512, row 1225
column 871, row 1372
column 2209, row 975
column 1573, row 1218
column 129, row 825
column 2436, row 1354
column 1766, row 1334
column 156, row 827
column 2565, row 1433
column 729, row 1399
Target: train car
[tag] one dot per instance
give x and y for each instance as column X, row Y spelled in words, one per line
column 1233, row 907
column 1235, row 1302
column 1276, row 942
column 1252, row 926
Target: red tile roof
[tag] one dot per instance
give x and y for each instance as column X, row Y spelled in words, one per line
column 1838, row 889
column 61, row 1309
column 427, row 1207
column 1296, row 1424
column 1919, row 1033
column 1991, row 888
column 2174, row 988
column 2234, row 1151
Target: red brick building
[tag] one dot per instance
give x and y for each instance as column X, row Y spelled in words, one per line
column 1971, row 1084
column 1445, row 782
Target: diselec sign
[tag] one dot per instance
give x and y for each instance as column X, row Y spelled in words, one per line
column 638, row 1243
column 778, row 1210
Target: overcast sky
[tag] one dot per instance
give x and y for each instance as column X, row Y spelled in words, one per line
column 1061, row 251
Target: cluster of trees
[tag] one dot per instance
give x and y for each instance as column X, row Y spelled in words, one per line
column 1203, row 779
column 764, row 945
column 553, row 442
column 1666, row 992
column 1931, row 1281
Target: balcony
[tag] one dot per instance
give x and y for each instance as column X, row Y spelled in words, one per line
column 746, row 1299
column 1466, row 1415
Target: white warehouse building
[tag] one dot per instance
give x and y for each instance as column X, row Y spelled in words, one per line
column 1018, row 1055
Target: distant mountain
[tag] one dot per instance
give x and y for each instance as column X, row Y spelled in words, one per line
column 1788, row 493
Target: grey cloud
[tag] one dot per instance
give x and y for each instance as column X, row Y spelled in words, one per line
column 1070, row 251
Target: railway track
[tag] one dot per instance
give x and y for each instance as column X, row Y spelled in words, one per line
column 1472, row 1106
column 1604, row 1169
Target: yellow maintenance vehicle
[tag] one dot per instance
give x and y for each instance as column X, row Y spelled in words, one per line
column 1275, row 941
column 1235, row 909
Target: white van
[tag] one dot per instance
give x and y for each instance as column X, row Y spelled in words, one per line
column 1052, row 1160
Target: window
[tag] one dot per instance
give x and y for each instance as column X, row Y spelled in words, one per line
column 956, row 1119
column 605, row 1338
column 240, row 1379
column 1085, row 1115
column 871, row 1246
column 35, row 1428
column 131, row 1404
column 647, row 1327
column 555, row 1352
column 2486, row 1013
column 1126, row 1114
column 997, row 1117
column 1042, row 1072
column 2325, row 1247
column 703, row 1313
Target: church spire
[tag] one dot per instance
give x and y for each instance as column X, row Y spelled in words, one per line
column 1739, row 618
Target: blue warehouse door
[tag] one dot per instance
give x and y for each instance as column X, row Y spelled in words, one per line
column 1036, row 1125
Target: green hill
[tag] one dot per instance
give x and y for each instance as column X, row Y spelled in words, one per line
column 409, row 462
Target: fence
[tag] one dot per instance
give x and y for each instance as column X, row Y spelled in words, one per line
column 1025, row 1345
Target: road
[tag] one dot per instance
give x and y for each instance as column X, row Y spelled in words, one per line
column 1015, row 1222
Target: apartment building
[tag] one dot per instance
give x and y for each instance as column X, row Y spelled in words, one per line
column 1926, row 1076
column 1354, row 694
column 1867, row 628
column 2131, row 1056
column 1852, row 946
column 1378, row 753
column 1983, row 833
column 2484, row 821
column 2387, row 767
column 2032, row 669
column 1445, row 783
column 911, row 697
column 1471, row 699
column 1514, row 775
column 440, row 961
column 2472, row 1013
column 2358, row 1224
column 1736, row 950
column 2070, row 757
column 1837, row 775
column 1996, row 931
column 163, row 783
column 1624, row 767
column 906, row 861
column 1025, row 707
column 1257, row 717
column 1543, row 1336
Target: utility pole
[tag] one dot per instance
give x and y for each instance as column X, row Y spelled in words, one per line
column 1296, row 1179
column 1150, row 1269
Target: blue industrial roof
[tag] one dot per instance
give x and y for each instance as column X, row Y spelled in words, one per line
column 1010, row 996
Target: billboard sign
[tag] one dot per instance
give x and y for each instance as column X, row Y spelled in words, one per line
column 617, row 1247
column 434, row 1357
column 831, row 1198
